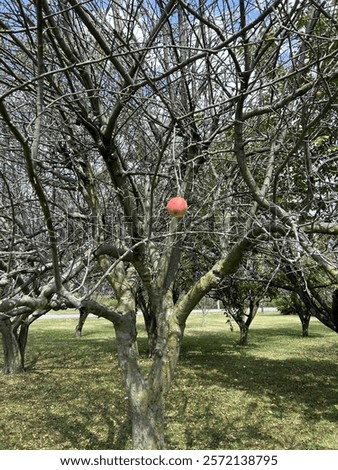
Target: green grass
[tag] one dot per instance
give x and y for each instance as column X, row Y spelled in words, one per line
column 280, row 392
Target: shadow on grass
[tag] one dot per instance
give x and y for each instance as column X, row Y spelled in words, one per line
column 97, row 414
column 224, row 396
column 97, row 425
column 303, row 378
column 249, row 401
column 73, row 394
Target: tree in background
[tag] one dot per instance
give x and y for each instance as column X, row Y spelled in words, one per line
column 242, row 293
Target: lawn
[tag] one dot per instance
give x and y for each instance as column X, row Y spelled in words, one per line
column 280, row 392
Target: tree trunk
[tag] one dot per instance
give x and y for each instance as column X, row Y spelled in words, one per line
column 305, row 320
column 145, row 404
column 334, row 313
column 244, row 325
column 82, row 318
column 22, row 338
column 243, row 334
column 147, row 417
column 152, row 336
column 147, row 395
column 149, row 321
column 13, row 361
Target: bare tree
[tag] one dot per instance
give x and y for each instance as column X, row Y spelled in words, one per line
column 111, row 109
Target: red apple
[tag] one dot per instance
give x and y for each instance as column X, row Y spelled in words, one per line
column 177, row 207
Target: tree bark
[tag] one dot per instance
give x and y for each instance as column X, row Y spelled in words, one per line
column 245, row 325
column 82, row 319
column 151, row 328
column 149, row 321
column 335, row 308
column 22, row 337
column 147, row 416
column 146, row 402
column 243, row 334
column 146, row 410
column 147, row 395
column 13, row 360
column 305, row 320
column 305, row 331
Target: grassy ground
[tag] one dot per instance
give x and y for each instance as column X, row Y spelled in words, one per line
column 280, row 392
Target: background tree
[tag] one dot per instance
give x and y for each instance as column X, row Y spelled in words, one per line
column 241, row 295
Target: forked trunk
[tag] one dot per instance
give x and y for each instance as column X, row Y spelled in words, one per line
column 147, row 394
column 244, row 325
column 13, row 360
column 145, row 404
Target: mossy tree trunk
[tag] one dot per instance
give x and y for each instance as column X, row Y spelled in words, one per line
column 147, row 394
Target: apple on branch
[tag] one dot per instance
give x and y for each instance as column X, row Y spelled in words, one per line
column 177, row 207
